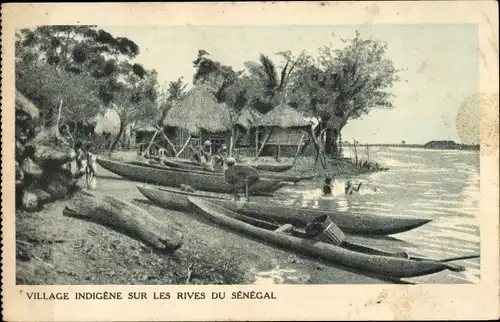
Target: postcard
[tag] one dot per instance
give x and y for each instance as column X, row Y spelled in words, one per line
column 250, row 161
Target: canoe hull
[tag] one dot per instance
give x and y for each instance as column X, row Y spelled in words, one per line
column 173, row 178
column 174, row 199
column 356, row 224
column 353, row 223
column 197, row 168
column 388, row 266
column 272, row 167
column 188, row 164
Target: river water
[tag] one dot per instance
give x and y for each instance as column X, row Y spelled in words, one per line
column 442, row 185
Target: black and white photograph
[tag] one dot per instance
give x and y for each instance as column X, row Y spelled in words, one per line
column 313, row 154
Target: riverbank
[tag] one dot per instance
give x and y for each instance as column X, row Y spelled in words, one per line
column 344, row 167
column 54, row 249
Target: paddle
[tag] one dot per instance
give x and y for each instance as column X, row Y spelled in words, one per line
column 451, row 267
column 458, row 258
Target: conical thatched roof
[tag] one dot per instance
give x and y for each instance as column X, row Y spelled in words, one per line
column 248, row 117
column 109, row 121
column 25, row 105
column 198, row 109
column 283, row 116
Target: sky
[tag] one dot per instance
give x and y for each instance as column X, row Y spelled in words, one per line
column 440, row 68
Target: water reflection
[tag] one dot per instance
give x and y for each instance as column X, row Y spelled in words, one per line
column 440, row 185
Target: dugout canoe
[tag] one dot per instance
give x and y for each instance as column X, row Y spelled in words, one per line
column 184, row 166
column 270, row 167
column 364, row 259
column 174, row 178
column 352, row 223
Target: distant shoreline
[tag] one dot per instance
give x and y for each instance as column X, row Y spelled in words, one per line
column 435, row 145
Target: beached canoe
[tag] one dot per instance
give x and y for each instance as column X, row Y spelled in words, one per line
column 361, row 258
column 352, row 223
column 189, row 164
column 271, row 167
column 182, row 166
column 173, row 178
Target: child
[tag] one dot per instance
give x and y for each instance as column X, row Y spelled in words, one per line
column 327, row 188
column 81, row 160
column 91, row 169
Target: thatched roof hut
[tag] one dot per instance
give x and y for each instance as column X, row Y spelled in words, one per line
column 199, row 110
column 283, row 116
column 109, row 122
column 23, row 104
column 248, row 117
column 144, row 126
column 283, row 126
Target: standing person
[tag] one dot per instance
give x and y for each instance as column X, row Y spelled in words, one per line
column 221, row 156
column 66, row 140
column 229, row 163
column 81, row 160
column 206, row 156
column 91, row 169
column 66, row 137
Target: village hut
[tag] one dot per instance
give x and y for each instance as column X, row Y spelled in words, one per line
column 282, row 130
column 195, row 118
column 245, row 129
column 107, row 122
column 106, row 126
column 143, row 131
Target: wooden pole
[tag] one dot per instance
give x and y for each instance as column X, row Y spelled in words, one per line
column 355, row 152
column 167, row 139
column 184, row 147
column 298, row 148
column 150, row 143
column 266, row 138
column 256, row 142
column 247, row 195
column 232, row 141
column 367, row 152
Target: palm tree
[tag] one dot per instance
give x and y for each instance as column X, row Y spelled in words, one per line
column 269, row 87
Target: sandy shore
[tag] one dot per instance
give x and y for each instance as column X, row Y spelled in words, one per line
column 54, row 249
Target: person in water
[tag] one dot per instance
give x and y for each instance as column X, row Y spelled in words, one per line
column 327, row 187
column 350, row 189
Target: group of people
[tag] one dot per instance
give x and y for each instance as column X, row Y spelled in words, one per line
column 349, row 188
column 86, row 160
column 207, row 160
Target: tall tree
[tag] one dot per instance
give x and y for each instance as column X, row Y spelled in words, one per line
column 79, row 49
column 345, row 84
column 134, row 96
column 169, row 96
column 99, row 63
column 268, row 88
column 228, row 86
